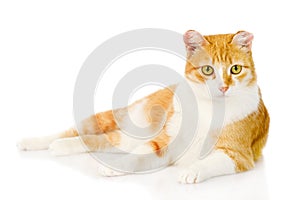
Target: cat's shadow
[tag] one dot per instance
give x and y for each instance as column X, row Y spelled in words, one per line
column 84, row 163
column 163, row 184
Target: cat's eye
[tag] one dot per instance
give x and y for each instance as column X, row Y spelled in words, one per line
column 207, row 70
column 236, row 69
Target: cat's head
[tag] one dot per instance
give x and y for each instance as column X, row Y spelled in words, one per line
column 221, row 63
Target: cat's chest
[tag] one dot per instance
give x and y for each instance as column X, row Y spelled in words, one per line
column 231, row 109
column 211, row 116
column 214, row 113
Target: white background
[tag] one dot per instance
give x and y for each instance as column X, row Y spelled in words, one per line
column 42, row 47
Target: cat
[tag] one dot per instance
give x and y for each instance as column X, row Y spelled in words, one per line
column 220, row 70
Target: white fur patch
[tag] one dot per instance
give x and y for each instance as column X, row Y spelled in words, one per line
column 191, row 145
column 137, row 115
column 67, row 146
column 142, row 149
column 135, row 123
column 129, row 144
column 173, row 124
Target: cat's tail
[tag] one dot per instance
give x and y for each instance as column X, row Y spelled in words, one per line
column 43, row 143
column 94, row 125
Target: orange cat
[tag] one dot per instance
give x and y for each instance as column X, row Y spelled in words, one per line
column 221, row 73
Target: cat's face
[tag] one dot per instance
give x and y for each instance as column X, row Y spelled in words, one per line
column 221, row 63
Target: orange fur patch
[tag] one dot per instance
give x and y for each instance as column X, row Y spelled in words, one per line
column 102, row 122
column 106, row 121
column 69, row 133
column 243, row 141
column 160, row 143
column 114, row 138
column 157, row 107
column 241, row 76
column 90, row 126
column 100, row 142
column 96, row 142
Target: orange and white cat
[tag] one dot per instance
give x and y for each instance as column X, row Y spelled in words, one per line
column 220, row 70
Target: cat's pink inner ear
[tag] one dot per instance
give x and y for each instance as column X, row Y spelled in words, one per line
column 243, row 39
column 193, row 40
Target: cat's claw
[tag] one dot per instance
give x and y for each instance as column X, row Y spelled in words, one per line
column 108, row 172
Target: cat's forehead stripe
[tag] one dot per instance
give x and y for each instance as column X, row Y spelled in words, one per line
column 220, row 55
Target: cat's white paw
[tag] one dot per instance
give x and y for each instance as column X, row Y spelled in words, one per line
column 67, row 146
column 190, row 176
column 106, row 171
column 33, row 144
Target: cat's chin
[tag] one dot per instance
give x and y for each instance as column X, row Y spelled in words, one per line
column 221, row 96
column 216, row 97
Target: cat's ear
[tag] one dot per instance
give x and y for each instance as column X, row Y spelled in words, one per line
column 193, row 40
column 243, row 39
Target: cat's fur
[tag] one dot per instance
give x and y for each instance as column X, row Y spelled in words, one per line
column 243, row 132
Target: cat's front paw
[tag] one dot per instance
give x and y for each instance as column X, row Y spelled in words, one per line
column 108, row 172
column 189, row 176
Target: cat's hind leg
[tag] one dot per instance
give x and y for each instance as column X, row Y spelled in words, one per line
column 84, row 144
column 140, row 158
column 132, row 155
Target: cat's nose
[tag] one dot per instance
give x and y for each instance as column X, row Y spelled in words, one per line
column 223, row 89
